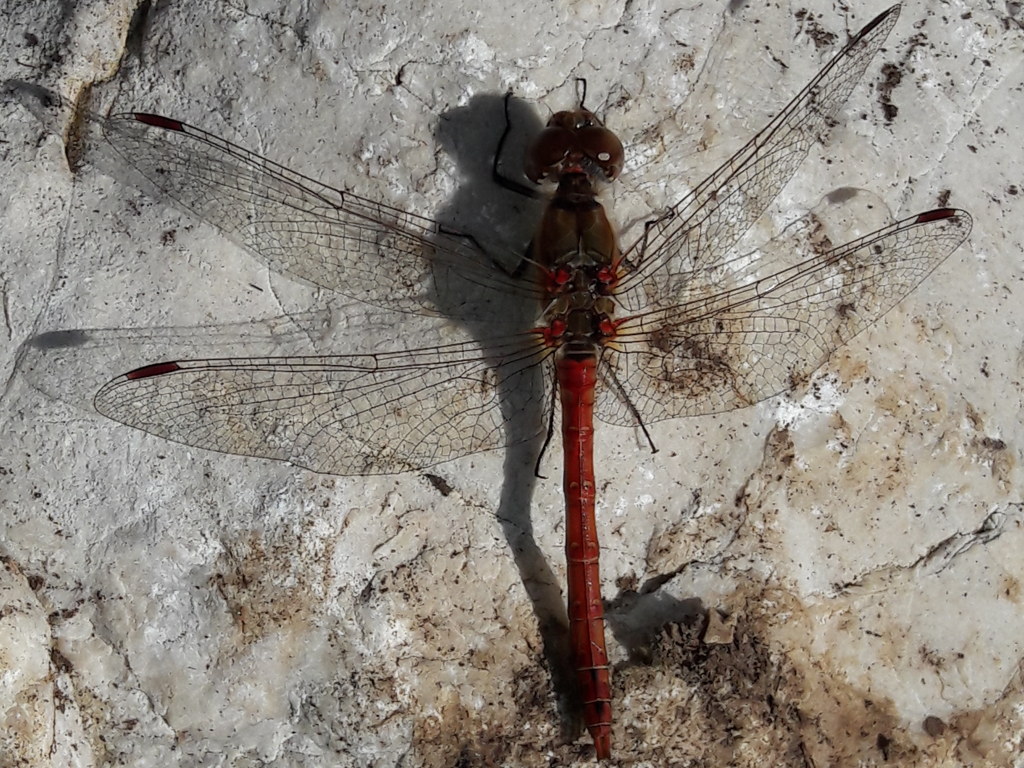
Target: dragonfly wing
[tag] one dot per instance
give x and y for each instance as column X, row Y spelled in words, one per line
column 699, row 231
column 333, row 238
column 737, row 347
column 345, row 415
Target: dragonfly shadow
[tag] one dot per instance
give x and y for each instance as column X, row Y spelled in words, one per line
column 641, row 614
column 503, row 221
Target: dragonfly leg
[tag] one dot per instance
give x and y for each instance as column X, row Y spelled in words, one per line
column 608, row 374
column 550, row 433
column 500, row 178
column 516, row 272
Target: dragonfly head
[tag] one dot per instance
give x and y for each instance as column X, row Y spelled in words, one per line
column 574, row 142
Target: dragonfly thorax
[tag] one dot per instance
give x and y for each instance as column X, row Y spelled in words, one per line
column 575, row 242
column 579, row 321
column 577, row 248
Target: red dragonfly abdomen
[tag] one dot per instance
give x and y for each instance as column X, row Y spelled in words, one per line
column 577, row 375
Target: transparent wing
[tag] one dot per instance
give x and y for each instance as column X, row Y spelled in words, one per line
column 338, row 240
column 728, row 350
column 346, row 415
column 699, row 231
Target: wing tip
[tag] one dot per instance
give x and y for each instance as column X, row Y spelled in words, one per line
column 155, row 369
column 936, row 214
column 159, row 121
column 942, row 214
column 891, row 14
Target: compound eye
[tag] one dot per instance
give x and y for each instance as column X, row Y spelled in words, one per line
column 547, row 151
column 603, row 148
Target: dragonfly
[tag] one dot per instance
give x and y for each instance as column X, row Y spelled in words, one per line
column 669, row 326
